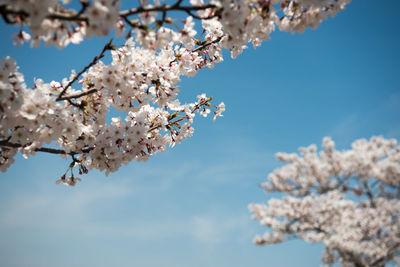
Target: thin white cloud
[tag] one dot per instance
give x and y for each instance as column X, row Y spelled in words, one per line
column 347, row 128
column 205, row 229
column 75, row 212
column 52, row 209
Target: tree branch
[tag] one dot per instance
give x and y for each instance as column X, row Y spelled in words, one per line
column 69, row 97
column 381, row 261
column 106, row 47
column 196, row 107
column 4, row 11
column 369, row 194
column 207, row 44
column 165, row 8
column 81, row 17
column 6, row 143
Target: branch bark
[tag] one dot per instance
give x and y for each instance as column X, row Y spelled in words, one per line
column 106, row 47
column 81, row 17
column 7, row 144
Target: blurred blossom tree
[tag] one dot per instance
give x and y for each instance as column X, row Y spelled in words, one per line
column 348, row 200
column 141, row 80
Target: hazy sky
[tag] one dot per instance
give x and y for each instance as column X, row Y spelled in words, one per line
column 188, row 206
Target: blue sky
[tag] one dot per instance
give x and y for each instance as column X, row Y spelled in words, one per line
column 188, row 206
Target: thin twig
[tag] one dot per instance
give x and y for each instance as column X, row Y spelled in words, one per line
column 196, row 107
column 81, row 17
column 6, row 143
column 207, row 44
column 162, row 8
column 106, row 47
column 69, row 97
column 4, row 11
column 369, row 194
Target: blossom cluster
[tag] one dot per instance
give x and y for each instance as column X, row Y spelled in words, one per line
column 37, row 16
column 232, row 23
column 348, row 200
column 140, row 82
column 142, row 79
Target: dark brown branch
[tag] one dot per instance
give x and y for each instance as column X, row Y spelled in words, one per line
column 70, row 17
column 163, row 18
column 7, row 144
column 207, row 44
column 4, row 11
column 84, row 5
column 392, row 251
column 178, row 2
column 370, row 196
column 130, row 23
column 81, row 17
column 106, row 47
column 73, row 16
column 165, row 8
column 196, row 107
column 69, row 97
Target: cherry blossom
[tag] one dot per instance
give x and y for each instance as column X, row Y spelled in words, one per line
column 70, row 181
column 142, row 80
column 349, row 200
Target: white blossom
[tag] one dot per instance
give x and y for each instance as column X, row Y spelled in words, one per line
column 348, row 200
column 141, row 80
